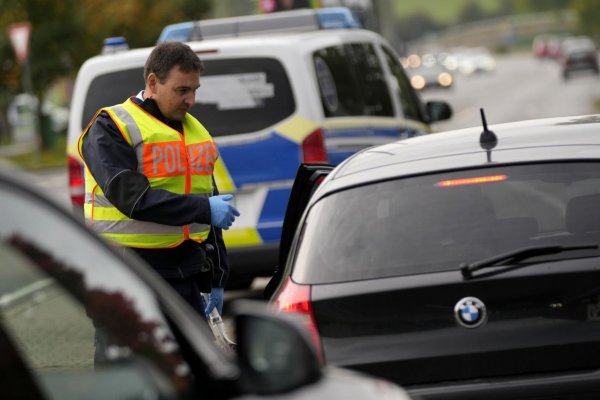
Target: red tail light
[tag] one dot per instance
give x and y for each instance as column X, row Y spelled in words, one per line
column 313, row 148
column 294, row 298
column 76, row 181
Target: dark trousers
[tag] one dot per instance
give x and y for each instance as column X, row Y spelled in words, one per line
column 189, row 290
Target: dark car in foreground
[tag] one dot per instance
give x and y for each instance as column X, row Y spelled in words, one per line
column 79, row 320
column 461, row 265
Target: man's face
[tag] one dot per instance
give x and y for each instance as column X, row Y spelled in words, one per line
column 176, row 94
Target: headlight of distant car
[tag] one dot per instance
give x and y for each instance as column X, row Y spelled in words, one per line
column 418, row 82
column 445, row 79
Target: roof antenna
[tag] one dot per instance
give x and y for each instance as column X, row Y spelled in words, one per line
column 488, row 139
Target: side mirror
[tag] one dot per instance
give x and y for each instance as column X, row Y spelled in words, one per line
column 438, row 110
column 274, row 352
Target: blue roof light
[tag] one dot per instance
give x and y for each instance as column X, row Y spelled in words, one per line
column 299, row 20
column 180, row 32
column 114, row 44
column 337, row 18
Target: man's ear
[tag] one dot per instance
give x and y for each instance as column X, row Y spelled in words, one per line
column 151, row 83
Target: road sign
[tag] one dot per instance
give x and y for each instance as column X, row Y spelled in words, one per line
column 19, row 34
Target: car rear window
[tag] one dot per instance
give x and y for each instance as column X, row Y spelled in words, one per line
column 434, row 223
column 240, row 95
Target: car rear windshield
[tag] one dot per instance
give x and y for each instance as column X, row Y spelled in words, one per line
column 241, row 95
column 434, row 223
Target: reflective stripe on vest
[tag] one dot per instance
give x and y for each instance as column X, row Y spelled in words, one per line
column 178, row 163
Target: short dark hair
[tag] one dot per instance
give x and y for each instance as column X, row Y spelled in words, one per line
column 167, row 55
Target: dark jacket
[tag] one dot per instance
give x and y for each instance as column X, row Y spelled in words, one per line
column 113, row 164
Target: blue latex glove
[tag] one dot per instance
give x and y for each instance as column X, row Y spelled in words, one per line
column 215, row 299
column 222, row 213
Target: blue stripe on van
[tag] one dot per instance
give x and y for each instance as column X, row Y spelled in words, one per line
column 336, row 157
column 272, row 159
column 392, row 132
column 338, row 154
column 271, row 218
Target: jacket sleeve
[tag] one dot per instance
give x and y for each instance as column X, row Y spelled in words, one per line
column 219, row 256
column 113, row 164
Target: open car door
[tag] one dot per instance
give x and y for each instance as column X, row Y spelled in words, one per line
column 308, row 177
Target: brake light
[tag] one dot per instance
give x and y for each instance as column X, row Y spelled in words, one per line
column 472, row 181
column 295, row 299
column 313, row 148
column 76, row 181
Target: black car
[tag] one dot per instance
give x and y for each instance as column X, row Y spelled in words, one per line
column 79, row 320
column 461, row 265
column 578, row 54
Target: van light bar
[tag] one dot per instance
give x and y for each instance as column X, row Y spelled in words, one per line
column 472, row 181
column 298, row 20
column 115, row 44
column 337, row 18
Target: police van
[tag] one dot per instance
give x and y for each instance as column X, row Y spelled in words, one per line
column 277, row 90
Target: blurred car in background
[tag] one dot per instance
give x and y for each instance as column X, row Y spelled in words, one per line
column 277, row 90
column 432, row 76
column 468, row 60
column 461, row 265
column 578, row 54
column 475, row 60
column 427, row 71
column 79, row 320
column 539, row 45
column 547, row 45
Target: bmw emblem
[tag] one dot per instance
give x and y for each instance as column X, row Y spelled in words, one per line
column 470, row 312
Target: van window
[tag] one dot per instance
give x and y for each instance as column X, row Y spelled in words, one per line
column 351, row 81
column 240, row 95
column 237, row 95
column 110, row 89
column 409, row 99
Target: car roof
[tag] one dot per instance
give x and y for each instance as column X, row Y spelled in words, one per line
column 551, row 139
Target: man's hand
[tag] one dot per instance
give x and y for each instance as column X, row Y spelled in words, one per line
column 215, row 299
column 222, row 213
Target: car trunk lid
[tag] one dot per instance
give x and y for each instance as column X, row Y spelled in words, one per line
column 407, row 329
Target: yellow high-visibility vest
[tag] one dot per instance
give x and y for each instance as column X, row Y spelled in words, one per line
column 171, row 161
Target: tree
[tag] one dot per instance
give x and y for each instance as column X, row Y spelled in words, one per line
column 65, row 33
column 588, row 12
column 51, row 44
column 531, row 6
column 140, row 21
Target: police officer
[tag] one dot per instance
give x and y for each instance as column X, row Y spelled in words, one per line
column 149, row 179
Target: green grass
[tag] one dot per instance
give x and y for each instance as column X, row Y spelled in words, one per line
column 443, row 11
column 53, row 157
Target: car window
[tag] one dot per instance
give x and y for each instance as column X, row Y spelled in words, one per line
column 351, row 81
column 81, row 321
column 236, row 96
column 435, row 223
column 409, row 99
